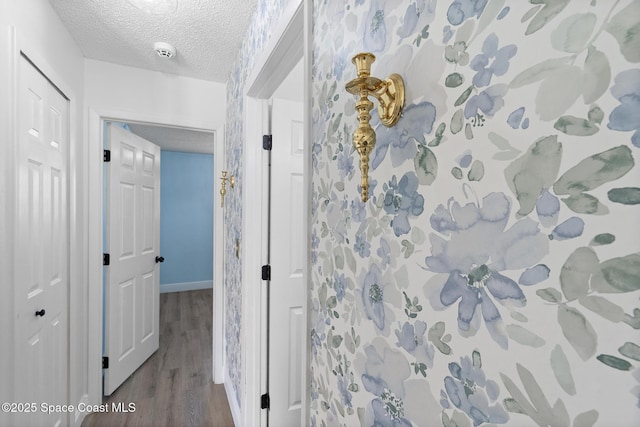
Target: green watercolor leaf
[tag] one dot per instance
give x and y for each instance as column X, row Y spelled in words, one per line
column 595, row 114
column 596, row 75
column 336, row 341
column 468, row 132
column 457, row 172
column 529, row 13
column 573, row 32
column 618, row 275
column 339, row 186
column 562, row 370
column 426, row 165
column 524, row 336
column 575, row 126
column 465, row 95
column 539, row 71
column 615, row 362
column 454, row 80
column 457, row 122
column 576, row 272
column 586, row 419
column 338, row 256
column 558, row 92
column 491, row 10
column 625, row 196
column 603, row 239
column 441, row 128
column 550, row 9
column 550, row 295
column 499, row 141
column 545, row 413
column 578, row 331
column 633, row 320
column 630, row 350
column 602, row 307
column 625, row 27
column 351, row 261
column 476, row 173
column 349, row 343
column 535, row 170
column 585, row 204
column 511, row 405
column 435, row 336
column 594, row 171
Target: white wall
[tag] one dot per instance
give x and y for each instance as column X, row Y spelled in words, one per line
column 46, row 41
column 150, row 96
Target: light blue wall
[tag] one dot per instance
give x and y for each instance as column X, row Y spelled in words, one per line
column 186, row 217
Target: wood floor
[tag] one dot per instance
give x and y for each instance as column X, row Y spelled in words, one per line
column 174, row 387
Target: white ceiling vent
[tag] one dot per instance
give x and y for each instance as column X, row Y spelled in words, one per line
column 164, row 50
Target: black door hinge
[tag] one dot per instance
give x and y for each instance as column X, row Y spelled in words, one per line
column 267, row 142
column 266, row 272
column 105, row 363
column 106, row 259
column 265, row 401
column 106, row 155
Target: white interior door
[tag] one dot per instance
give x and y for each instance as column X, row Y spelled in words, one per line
column 42, row 249
column 133, row 242
column 286, row 317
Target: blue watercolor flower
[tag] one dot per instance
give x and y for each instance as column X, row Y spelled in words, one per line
column 345, row 394
column 339, row 285
column 478, row 250
column 402, row 199
column 375, row 28
column 384, row 252
column 447, row 33
column 489, row 101
column 418, row 14
column 626, row 116
column 358, row 211
column 375, row 295
column 492, row 61
column 416, row 122
column 412, row 338
column 547, row 208
column 385, row 372
column 345, row 164
column 468, row 390
column 461, row 10
column 362, row 246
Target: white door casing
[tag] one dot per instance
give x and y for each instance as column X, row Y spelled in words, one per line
column 287, row 319
column 41, row 248
column 133, row 242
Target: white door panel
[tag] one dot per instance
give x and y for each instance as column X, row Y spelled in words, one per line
column 133, row 242
column 287, row 320
column 42, row 250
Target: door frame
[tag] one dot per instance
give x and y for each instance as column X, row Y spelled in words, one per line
column 290, row 42
column 20, row 45
column 96, row 120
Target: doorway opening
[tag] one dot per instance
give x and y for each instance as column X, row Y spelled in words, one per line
column 97, row 216
column 172, row 223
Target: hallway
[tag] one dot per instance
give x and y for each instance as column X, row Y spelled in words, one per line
column 174, row 387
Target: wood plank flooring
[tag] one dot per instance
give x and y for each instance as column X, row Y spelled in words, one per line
column 174, row 387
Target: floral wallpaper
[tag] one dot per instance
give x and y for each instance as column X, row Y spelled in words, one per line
column 266, row 13
column 493, row 277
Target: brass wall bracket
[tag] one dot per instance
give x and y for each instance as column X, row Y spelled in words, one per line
column 390, row 96
column 223, row 186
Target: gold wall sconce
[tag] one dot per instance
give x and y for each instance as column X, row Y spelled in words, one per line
column 390, row 96
column 223, row 186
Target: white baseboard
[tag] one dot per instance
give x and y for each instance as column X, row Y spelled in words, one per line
column 187, row 286
column 233, row 404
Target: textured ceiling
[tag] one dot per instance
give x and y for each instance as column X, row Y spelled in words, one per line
column 175, row 139
column 206, row 33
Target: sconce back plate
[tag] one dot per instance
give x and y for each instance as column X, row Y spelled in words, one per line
column 390, row 111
